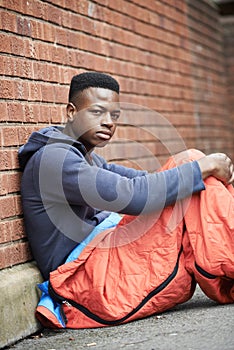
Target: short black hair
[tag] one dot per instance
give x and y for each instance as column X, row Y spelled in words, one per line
column 85, row 80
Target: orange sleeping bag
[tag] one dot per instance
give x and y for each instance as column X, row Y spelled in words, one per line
column 150, row 263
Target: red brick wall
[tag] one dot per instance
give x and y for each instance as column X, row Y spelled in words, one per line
column 167, row 56
column 228, row 49
column 213, row 126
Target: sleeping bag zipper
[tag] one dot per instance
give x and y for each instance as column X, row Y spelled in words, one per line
column 58, row 298
column 203, row 272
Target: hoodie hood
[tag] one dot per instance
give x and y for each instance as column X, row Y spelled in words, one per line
column 39, row 139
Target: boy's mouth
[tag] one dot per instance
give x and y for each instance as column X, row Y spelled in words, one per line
column 104, row 135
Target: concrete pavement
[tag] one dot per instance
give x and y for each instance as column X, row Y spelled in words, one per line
column 198, row 324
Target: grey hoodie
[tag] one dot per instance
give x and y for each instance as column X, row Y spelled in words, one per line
column 66, row 192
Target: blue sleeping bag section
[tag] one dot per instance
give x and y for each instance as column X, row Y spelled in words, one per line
column 45, row 299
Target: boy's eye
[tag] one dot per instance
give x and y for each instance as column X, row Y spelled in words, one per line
column 96, row 112
column 115, row 116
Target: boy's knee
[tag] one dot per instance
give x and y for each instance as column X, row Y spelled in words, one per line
column 195, row 154
column 187, row 156
column 182, row 157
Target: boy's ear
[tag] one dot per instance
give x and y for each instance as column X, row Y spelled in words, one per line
column 71, row 110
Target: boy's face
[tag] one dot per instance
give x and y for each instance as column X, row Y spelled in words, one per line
column 93, row 119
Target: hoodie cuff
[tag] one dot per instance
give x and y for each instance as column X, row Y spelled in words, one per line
column 102, row 215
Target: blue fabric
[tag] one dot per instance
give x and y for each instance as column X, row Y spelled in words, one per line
column 110, row 221
column 45, row 300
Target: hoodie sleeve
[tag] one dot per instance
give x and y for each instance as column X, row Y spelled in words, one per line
column 65, row 176
column 116, row 168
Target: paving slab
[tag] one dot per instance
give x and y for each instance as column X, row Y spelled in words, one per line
column 199, row 324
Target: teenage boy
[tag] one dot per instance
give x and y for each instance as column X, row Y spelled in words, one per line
column 72, row 196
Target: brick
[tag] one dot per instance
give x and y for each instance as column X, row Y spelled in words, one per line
column 9, row 182
column 7, row 206
column 7, row 88
column 9, row 136
column 44, row 114
column 58, row 115
column 14, row 253
column 17, row 45
column 5, row 232
column 35, row 93
column 61, row 36
column 8, row 21
column 47, row 93
column 50, row 33
column 3, row 111
column 3, row 184
column 55, row 15
column 10, row 206
column 15, row 112
column 21, row 90
column 24, row 132
column 23, row 26
column 61, row 94
column 12, row 5
column 59, row 54
column 8, row 159
column 53, row 74
column 5, row 160
column 11, row 230
column 17, row 229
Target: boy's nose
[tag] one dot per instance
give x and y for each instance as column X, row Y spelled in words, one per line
column 107, row 120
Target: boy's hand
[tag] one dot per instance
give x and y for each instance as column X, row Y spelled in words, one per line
column 218, row 165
